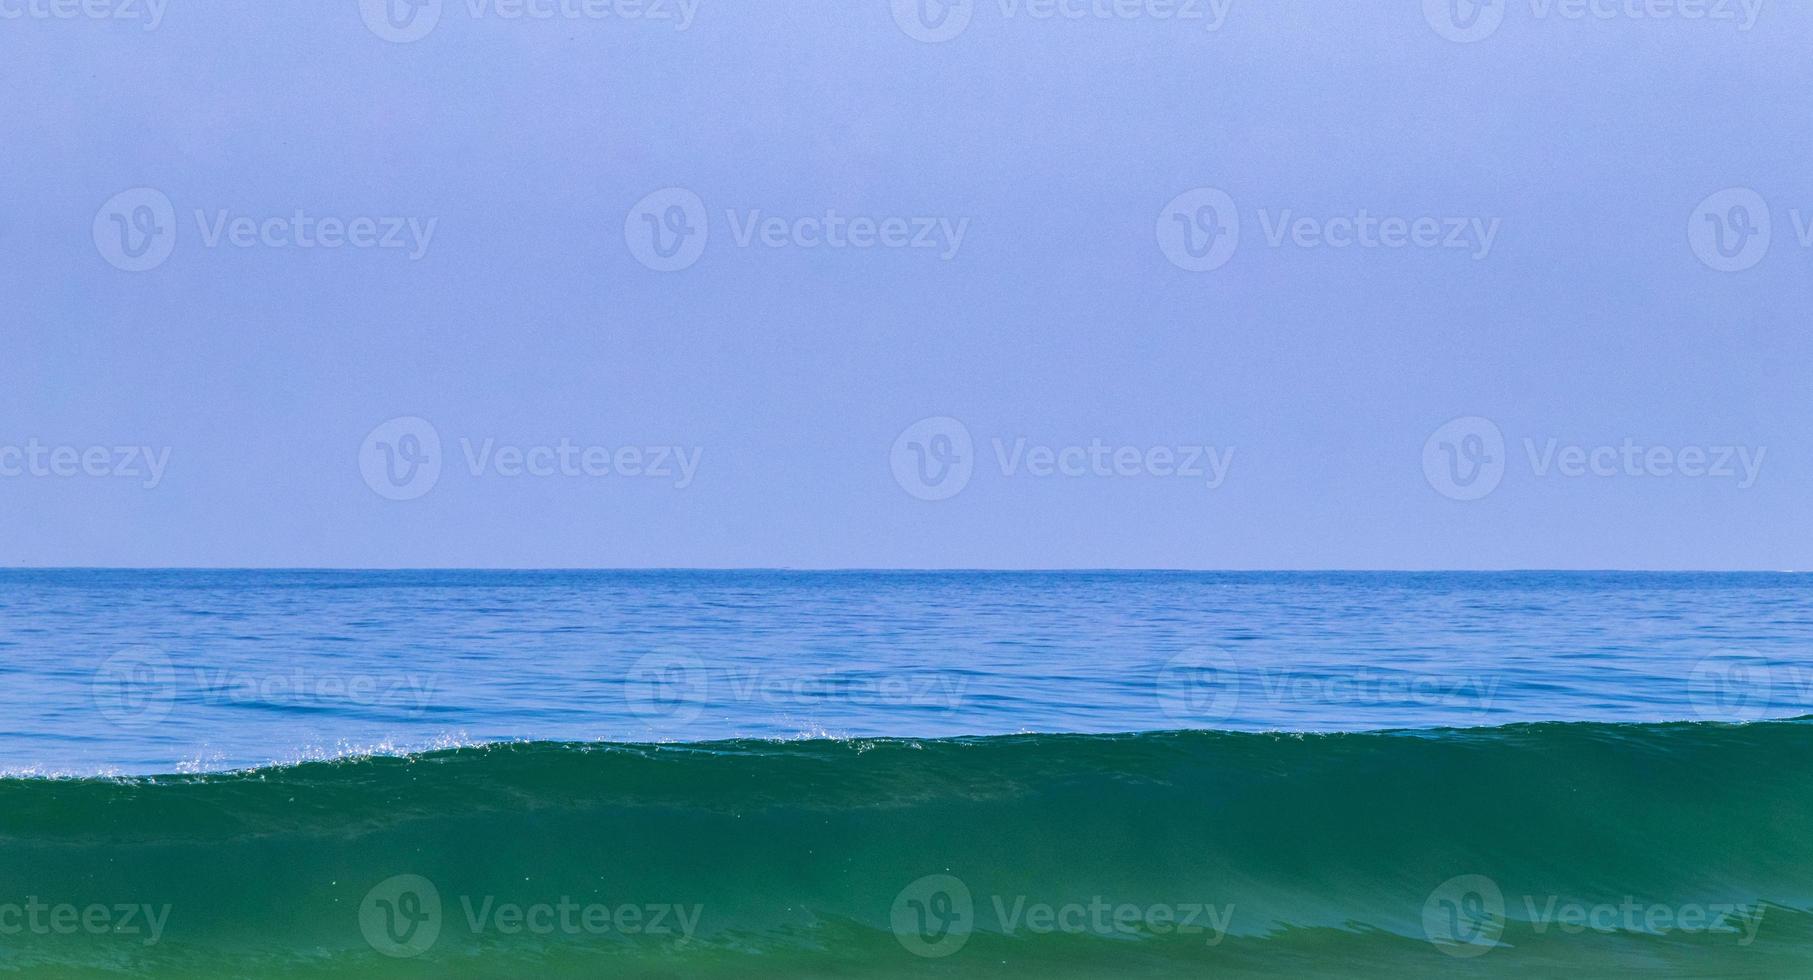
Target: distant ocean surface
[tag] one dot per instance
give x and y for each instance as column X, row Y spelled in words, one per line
column 477, row 774
column 160, row 671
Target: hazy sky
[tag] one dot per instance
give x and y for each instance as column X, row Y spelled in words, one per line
column 1004, row 321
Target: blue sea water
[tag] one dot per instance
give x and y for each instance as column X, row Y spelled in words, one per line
column 159, row 671
column 786, row 774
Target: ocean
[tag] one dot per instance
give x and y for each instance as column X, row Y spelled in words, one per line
column 804, row 774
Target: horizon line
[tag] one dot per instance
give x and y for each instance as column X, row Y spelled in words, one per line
column 904, row 569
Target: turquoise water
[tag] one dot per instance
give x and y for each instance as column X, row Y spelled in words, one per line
column 413, row 774
column 1554, row 850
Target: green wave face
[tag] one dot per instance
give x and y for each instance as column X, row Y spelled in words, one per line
column 1549, row 850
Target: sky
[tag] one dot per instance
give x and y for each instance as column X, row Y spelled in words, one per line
column 876, row 284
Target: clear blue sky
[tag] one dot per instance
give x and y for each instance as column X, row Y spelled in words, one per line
column 1057, row 301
